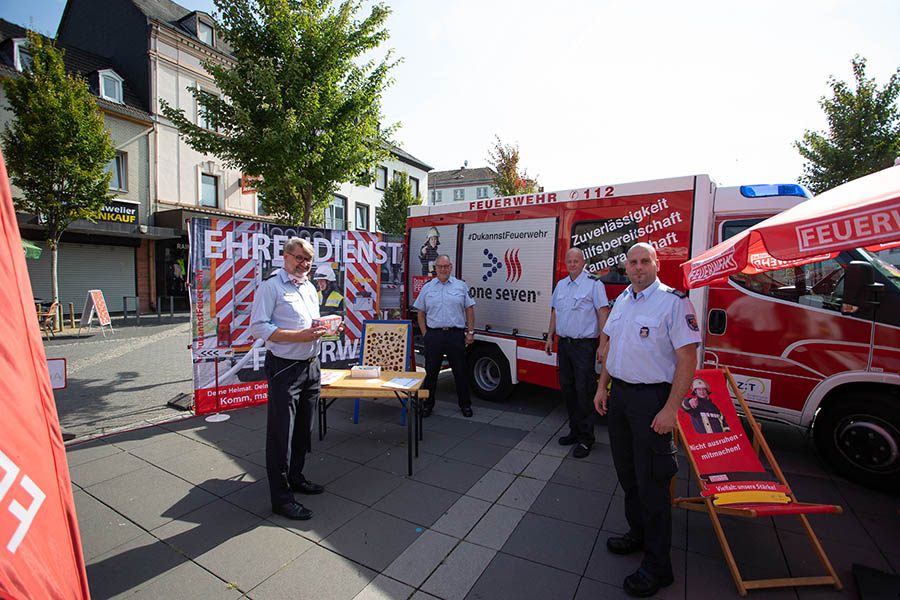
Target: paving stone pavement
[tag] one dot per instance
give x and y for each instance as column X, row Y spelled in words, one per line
column 495, row 509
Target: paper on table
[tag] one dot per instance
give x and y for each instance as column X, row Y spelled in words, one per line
column 401, row 383
column 329, row 377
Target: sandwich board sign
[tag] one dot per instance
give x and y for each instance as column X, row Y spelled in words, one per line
column 56, row 367
column 94, row 303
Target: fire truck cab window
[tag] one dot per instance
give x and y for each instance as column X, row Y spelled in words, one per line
column 732, row 228
column 601, row 258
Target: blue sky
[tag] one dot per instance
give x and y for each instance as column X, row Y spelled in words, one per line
column 597, row 92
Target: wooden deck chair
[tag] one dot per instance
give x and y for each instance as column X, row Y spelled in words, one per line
column 386, row 344
column 731, row 478
column 47, row 319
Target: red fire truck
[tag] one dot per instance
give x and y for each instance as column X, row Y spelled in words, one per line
column 799, row 356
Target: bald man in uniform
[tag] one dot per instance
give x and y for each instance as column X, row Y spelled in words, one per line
column 650, row 360
column 579, row 308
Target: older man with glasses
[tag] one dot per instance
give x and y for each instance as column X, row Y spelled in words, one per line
column 284, row 306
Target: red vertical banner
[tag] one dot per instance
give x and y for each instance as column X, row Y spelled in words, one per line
column 40, row 548
column 362, row 282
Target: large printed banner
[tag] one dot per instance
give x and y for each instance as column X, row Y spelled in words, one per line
column 359, row 276
column 40, row 548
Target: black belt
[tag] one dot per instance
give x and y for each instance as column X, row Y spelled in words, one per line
column 638, row 385
column 571, row 339
column 293, row 360
column 448, row 328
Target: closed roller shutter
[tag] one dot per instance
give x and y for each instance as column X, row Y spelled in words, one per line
column 84, row 267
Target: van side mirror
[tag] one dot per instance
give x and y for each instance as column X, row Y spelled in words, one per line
column 859, row 286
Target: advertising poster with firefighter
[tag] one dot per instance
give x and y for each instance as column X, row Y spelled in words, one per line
column 358, row 275
column 724, row 456
column 426, row 244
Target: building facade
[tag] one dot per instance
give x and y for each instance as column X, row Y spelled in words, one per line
column 157, row 48
column 459, row 185
column 115, row 253
column 359, row 205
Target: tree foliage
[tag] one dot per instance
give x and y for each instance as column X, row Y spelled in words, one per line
column 509, row 180
column 56, row 147
column 863, row 133
column 301, row 104
column 391, row 217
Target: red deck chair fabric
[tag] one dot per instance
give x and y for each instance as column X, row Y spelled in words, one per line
column 731, row 476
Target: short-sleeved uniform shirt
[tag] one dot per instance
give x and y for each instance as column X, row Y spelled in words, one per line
column 444, row 304
column 645, row 330
column 576, row 303
column 280, row 303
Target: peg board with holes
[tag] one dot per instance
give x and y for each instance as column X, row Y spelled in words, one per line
column 387, row 344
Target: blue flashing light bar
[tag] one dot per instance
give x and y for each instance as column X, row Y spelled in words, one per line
column 778, row 189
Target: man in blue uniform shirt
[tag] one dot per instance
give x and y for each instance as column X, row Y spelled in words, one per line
column 579, row 308
column 650, row 359
column 284, row 306
column 446, row 316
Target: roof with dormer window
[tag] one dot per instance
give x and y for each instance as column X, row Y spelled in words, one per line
column 180, row 18
column 81, row 62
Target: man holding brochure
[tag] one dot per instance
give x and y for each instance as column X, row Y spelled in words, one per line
column 285, row 314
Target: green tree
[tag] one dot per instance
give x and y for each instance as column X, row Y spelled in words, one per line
column 56, row 147
column 301, row 103
column 863, row 133
column 391, row 217
column 508, row 179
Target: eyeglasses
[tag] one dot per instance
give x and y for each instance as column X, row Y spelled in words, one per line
column 299, row 257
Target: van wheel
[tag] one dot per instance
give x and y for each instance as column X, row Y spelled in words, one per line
column 860, row 438
column 489, row 373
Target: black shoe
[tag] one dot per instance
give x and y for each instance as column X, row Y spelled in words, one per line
column 581, row 450
column 307, row 487
column 624, row 545
column 642, row 584
column 568, row 440
column 467, row 411
column 293, row 510
column 426, row 411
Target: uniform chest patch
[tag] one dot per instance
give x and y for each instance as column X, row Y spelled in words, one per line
column 645, row 332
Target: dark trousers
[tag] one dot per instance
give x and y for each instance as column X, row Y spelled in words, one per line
column 452, row 344
column 293, row 393
column 578, row 384
column 645, row 464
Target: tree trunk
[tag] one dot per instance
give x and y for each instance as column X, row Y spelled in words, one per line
column 54, row 282
column 307, row 204
column 54, row 270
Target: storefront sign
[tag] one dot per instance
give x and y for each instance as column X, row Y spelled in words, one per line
column 121, row 211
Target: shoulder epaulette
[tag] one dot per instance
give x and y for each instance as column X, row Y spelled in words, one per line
column 271, row 274
column 594, row 277
column 624, row 293
column 678, row 293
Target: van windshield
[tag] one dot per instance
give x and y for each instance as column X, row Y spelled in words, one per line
column 821, row 285
column 889, row 271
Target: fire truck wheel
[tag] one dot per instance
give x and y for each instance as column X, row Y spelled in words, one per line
column 860, row 438
column 489, row 373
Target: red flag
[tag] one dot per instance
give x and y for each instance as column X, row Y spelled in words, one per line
column 40, row 549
